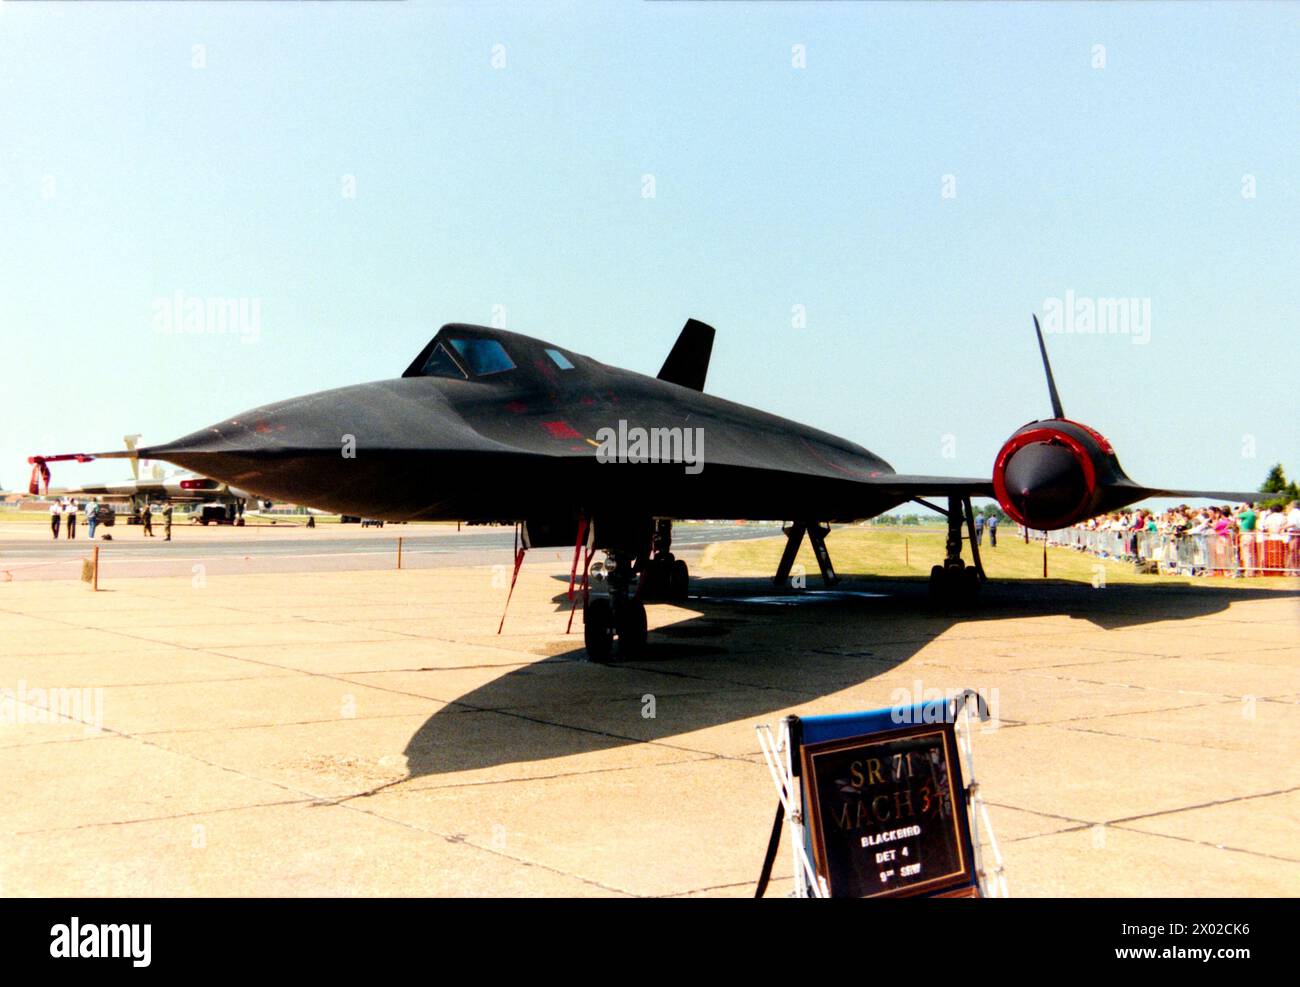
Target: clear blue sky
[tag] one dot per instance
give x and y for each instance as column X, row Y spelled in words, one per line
column 127, row 174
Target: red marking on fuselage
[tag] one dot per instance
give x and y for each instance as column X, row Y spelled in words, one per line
column 847, row 471
column 561, row 430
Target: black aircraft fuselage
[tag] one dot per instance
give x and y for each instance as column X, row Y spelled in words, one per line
column 444, row 442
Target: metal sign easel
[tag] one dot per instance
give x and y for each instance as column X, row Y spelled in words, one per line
column 778, row 753
column 781, row 754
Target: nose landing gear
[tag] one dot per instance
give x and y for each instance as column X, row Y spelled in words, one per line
column 614, row 610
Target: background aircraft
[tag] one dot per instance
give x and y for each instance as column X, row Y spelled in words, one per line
column 487, row 425
column 217, row 502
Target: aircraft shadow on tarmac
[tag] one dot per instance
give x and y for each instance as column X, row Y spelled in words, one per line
column 749, row 650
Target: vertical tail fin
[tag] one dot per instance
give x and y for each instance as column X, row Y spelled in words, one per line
column 131, row 442
column 1047, row 369
column 688, row 361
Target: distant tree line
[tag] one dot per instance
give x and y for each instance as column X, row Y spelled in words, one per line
column 1278, row 490
column 895, row 520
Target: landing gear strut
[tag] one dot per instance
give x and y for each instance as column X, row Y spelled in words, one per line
column 955, row 582
column 614, row 609
column 816, row 532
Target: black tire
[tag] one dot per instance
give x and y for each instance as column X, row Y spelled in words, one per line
column 679, row 580
column 969, row 583
column 655, row 579
column 648, row 578
column 938, row 584
column 598, row 629
column 631, row 628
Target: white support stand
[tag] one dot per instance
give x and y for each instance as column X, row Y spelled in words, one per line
column 777, row 754
column 995, row 886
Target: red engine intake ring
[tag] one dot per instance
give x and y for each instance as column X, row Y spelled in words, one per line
column 1022, row 439
column 1100, row 439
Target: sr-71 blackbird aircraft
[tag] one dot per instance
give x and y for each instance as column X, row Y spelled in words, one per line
column 489, row 426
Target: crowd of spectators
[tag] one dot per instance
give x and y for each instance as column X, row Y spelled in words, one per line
column 1186, row 520
column 1246, row 539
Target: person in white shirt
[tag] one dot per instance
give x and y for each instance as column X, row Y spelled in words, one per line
column 56, row 516
column 1291, row 527
column 70, row 518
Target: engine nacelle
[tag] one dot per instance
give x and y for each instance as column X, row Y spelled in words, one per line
column 1051, row 474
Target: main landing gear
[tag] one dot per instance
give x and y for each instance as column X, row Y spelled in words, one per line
column 664, row 575
column 955, row 583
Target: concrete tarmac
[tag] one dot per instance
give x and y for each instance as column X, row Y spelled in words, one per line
column 27, row 550
column 369, row 732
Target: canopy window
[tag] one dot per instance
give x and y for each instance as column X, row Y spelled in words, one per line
column 483, row 356
column 440, row 364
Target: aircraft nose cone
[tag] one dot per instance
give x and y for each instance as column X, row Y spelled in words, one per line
column 1045, row 481
column 314, row 424
column 358, row 449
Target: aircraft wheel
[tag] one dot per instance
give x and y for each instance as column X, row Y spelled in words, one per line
column 598, row 629
column 632, row 629
column 679, row 580
column 954, row 586
column 938, row 584
column 652, row 578
column 664, row 578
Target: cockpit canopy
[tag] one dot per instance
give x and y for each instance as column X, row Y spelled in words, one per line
column 464, row 352
column 477, row 358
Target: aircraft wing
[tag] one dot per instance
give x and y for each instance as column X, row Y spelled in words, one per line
column 1118, row 494
column 124, row 490
column 909, row 486
column 1140, row 492
column 942, row 486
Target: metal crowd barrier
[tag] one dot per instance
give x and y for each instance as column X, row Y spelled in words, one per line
column 1246, row 553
